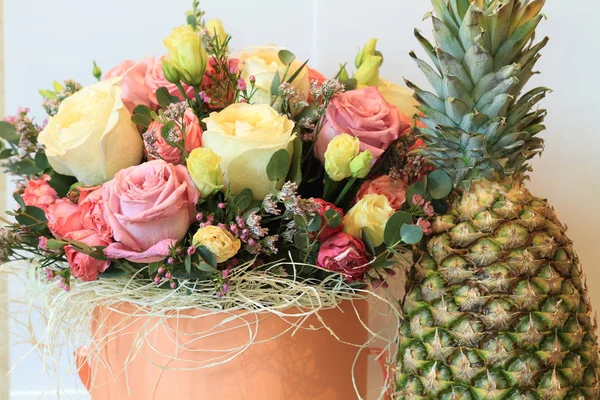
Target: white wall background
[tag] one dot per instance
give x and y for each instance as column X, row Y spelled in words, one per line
column 58, row 39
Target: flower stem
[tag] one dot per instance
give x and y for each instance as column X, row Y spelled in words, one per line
column 344, row 191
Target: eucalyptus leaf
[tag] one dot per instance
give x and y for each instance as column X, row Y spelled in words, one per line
column 61, row 183
column 165, row 130
column 415, row 188
column 411, row 234
column 295, row 169
column 4, row 154
column 286, row 57
column 278, row 165
column 315, row 223
column 188, row 263
column 54, row 244
column 164, row 97
column 243, row 200
column 141, row 120
column 301, row 240
column 19, row 200
column 333, row 218
column 392, row 235
column 142, row 110
column 153, row 267
column 207, row 268
column 32, row 218
column 41, row 160
column 207, row 256
column 439, row 184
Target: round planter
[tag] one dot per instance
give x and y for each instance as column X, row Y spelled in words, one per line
column 174, row 361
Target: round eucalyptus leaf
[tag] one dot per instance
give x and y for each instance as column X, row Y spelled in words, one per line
column 411, row 234
column 391, row 234
column 439, row 184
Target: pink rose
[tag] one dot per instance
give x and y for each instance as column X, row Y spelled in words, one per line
column 344, row 254
column 158, row 148
column 155, row 79
column 365, row 114
column 133, row 82
column 64, row 217
column 393, row 189
column 85, row 267
column 92, row 211
column 149, row 208
column 323, row 207
column 39, row 193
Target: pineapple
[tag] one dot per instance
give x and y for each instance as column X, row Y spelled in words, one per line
column 496, row 305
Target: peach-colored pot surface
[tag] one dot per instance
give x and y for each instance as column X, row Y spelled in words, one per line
column 309, row 364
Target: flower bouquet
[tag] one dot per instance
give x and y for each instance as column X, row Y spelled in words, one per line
column 184, row 201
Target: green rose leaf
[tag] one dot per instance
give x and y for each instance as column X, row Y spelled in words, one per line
column 333, row 218
column 275, row 84
column 32, row 218
column 278, row 165
column 188, row 263
column 286, row 57
column 411, row 234
column 391, row 234
column 54, row 244
column 8, row 132
column 368, row 243
column 19, row 200
column 207, row 256
column 439, row 184
column 243, row 200
column 142, row 110
column 207, row 268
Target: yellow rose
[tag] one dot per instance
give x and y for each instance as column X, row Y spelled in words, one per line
column 92, row 136
column 205, row 170
column 215, row 27
column 220, row 242
column 246, row 136
column 371, row 214
column 340, row 151
column 263, row 63
column 186, row 54
column 399, row 96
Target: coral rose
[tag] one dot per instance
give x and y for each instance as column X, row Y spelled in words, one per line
column 322, row 207
column 91, row 206
column 393, row 189
column 344, row 254
column 366, row 115
column 83, row 266
column 133, row 81
column 64, row 217
column 149, row 208
column 38, row 193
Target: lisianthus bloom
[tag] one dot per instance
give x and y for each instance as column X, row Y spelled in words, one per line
column 344, row 254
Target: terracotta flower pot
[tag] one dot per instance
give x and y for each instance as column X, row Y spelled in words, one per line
column 307, row 364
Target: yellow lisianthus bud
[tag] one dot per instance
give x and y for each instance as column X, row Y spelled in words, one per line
column 371, row 214
column 340, row 151
column 220, row 242
column 170, row 71
column 214, row 27
column 204, row 167
column 368, row 73
column 367, row 51
column 360, row 166
column 186, row 54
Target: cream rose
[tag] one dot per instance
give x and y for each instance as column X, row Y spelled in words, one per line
column 92, row 136
column 220, row 242
column 205, row 170
column 246, row 136
column 263, row 63
column 371, row 213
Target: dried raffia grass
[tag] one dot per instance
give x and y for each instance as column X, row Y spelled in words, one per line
column 67, row 316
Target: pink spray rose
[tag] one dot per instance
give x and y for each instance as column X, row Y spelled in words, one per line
column 133, row 82
column 155, row 79
column 38, row 193
column 393, row 189
column 92, row 212
column 344, row 254
column 158, row 148
column 365, row 114
column 149, row 208
column 85, row 267
column 323, row 207
column 64, row 217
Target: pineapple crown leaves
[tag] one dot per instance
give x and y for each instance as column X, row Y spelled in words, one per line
column 478, row 124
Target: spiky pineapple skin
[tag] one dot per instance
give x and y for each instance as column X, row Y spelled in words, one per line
column 496, row 306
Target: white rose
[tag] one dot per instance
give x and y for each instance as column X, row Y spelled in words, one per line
column 246, row 136
column 92, row 136
column 263, row 63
